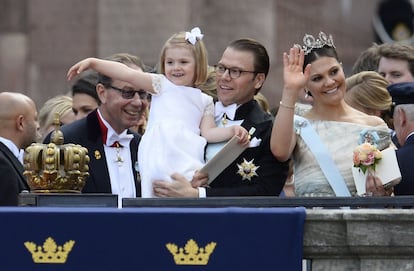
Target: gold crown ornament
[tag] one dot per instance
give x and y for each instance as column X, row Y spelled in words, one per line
column 50, row 252
column 56, row 168
column 310, row 42
column 191, row 254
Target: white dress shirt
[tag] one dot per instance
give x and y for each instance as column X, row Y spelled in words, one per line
column 119, row 162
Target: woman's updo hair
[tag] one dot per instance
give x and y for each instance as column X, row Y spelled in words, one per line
column 325, row 51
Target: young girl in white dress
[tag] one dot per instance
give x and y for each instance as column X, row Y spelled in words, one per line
column 181, row 119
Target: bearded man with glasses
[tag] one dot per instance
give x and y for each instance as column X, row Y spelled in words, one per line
column 105, row 133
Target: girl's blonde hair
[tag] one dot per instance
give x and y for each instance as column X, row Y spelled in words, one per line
column 367, row 92
column 61, row 104
column 210, row 86
column 199, row 52
column 263, row 102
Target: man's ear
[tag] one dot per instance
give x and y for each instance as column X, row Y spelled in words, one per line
column 101, row 91
column 19, row 122
column 401, row 116
column 259, row 80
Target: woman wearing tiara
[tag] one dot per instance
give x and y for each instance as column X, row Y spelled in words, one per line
column 315, row 68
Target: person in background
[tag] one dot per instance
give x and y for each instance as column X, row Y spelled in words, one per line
column 143, row 121
column 241, row 73
column 209, row 87
column 403, row 117
column 368, row 60
column 263, row 102
column 367, row 92
column 85, row 98
column 330, row 124
column 181, row 118
column 396, row 62
column 105, row 133
column 59, row 104
column 18, row 129
column 396, row 65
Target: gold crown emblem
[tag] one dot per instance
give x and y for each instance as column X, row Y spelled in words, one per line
column 50, row 252
column 191, row 254
column 55, row 167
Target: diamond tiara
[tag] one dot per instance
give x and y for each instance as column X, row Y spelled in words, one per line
column 310, row 42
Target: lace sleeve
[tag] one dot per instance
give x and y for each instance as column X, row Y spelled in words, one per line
column 209, row 110
column 157, row 83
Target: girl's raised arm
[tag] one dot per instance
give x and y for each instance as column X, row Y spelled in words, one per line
column 115, row 70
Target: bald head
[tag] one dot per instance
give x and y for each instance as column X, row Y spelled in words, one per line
column 18, row 118
column 12, row 104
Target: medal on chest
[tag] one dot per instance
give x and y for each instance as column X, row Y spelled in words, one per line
column 247, row 169
column 119, row 160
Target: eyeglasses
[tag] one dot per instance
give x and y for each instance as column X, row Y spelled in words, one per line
column 130, row 94
column 233, row 72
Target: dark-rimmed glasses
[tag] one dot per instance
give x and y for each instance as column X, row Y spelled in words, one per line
column 129, row 94
column 233, row 72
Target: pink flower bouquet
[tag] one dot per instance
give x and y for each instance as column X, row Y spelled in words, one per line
column 366, row 156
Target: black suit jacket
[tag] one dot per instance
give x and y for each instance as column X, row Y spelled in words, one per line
column 12, row 181
column 271, row 174
column 87, row 133
column 405, row 157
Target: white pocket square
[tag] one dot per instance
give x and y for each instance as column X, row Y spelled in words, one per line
column 254, row 142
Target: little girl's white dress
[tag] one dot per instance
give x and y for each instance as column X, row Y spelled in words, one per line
column 172, row 142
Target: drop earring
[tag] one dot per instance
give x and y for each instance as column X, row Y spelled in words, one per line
column 306, row 94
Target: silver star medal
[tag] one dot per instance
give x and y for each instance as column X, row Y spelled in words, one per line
column 247, row 169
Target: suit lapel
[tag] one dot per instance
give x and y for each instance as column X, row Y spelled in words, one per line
column 98, row 167
column 410, row 140
column 253, row 116
column 133, row 147
column 260, row 127
column 17, row 166
column 244, row 110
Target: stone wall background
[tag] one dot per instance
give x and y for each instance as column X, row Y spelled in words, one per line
column 41, row 39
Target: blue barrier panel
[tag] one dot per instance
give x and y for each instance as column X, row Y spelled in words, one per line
column 151, row 239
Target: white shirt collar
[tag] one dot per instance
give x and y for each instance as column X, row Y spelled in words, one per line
column 410, row 134
column 229, row 110
column 124, row 138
